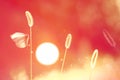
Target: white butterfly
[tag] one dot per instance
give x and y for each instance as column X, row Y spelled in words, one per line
column 20, row 39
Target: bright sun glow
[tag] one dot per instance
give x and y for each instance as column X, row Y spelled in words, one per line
column 47, row 53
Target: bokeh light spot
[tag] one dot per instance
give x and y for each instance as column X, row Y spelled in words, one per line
column 47, row 53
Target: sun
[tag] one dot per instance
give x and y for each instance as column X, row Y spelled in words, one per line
column 47, row 53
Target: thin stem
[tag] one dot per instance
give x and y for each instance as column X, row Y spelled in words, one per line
column 31, row 53
column 64, row 60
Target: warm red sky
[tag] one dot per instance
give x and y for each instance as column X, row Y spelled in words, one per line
column 53, row 20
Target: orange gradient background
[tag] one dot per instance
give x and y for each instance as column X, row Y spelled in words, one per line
column 53, row 20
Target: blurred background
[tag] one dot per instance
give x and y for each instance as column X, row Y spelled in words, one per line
column 89, row 22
